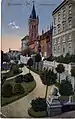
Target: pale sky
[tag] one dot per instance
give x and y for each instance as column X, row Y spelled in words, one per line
column 15, row 20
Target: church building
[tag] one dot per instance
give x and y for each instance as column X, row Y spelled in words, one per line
column 33, row 23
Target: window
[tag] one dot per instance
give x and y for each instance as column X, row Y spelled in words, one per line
column 70, row 45
column 70, row 37
column 59, row 40
column 58, row 28
column 64, row 13
column 54, row 41
column 54, row 21
column 59, row 17
column 63, row 50
column 64, row 25
column 70, row 23
column 63, row 47
column 54, row 30
column 63, row 39
column 54, row 49
column 59, row 48
column 70, row 8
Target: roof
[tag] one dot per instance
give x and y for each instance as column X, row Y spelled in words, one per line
column 25, row 38
column 33, row 13
column 60, row 6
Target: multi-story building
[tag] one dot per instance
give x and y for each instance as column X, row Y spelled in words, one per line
column 46, row 43
column 63, row 40
column 24, row 43
column 33, row 29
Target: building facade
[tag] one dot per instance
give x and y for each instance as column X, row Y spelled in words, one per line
column 24, row 43
column 63, row 40
column 46, row 43
column 33, row 29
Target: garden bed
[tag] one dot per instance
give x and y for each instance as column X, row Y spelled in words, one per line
column 13, row 71
column 39, row 114
column 28, row 87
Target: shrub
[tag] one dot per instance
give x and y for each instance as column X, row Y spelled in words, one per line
column 19, row 79
column 16, row 71
column 21, row 65
column 3, row 79
column 50, row 58
column 18, row 89
column 68, row 107
column 7, row 90
column 28, row 78
column 65, row 88
column 39, row 104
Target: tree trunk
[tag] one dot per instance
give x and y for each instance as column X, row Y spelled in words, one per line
column 29, row 69
column 59, row 77
column 46, row 92
column 37, row 66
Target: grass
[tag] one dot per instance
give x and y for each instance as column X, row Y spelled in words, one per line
column 28, row 87
column 10, row 73
column 38, row 114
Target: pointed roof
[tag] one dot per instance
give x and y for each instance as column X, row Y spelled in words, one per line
column 33, row 13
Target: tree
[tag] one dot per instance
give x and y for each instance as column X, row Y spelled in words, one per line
column 5, row 57
column 37, row 59
column 39, row 104
column 21, row 65
column 48, row 78
column 30, row 63
column 60, row 69
column 73, row 74
column 65, row 88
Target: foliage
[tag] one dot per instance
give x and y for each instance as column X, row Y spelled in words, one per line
column 50, row 58
column 18, row 89
column 38, row 58
column 28, row 78
column 5, row 58
column 65, row 59
column 7, row 90
column 65, row 88
column 30, row 62
column 57, row 84
column 39, row 114
column 68, row 107
column 39, row 104
column 48, row 77
column 28, row 87
column 60, row 68
column 21, row 65
column 73, row 72
column 3, row 79
column 15, row 69
column 19, row 79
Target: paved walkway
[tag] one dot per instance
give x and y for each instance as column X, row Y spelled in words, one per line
column 20, row 107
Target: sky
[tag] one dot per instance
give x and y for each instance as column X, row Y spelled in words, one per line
column 14, row 20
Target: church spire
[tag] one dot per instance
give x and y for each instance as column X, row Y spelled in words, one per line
column 33, row 13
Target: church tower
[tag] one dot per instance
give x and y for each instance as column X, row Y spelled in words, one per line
column 33, row 26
